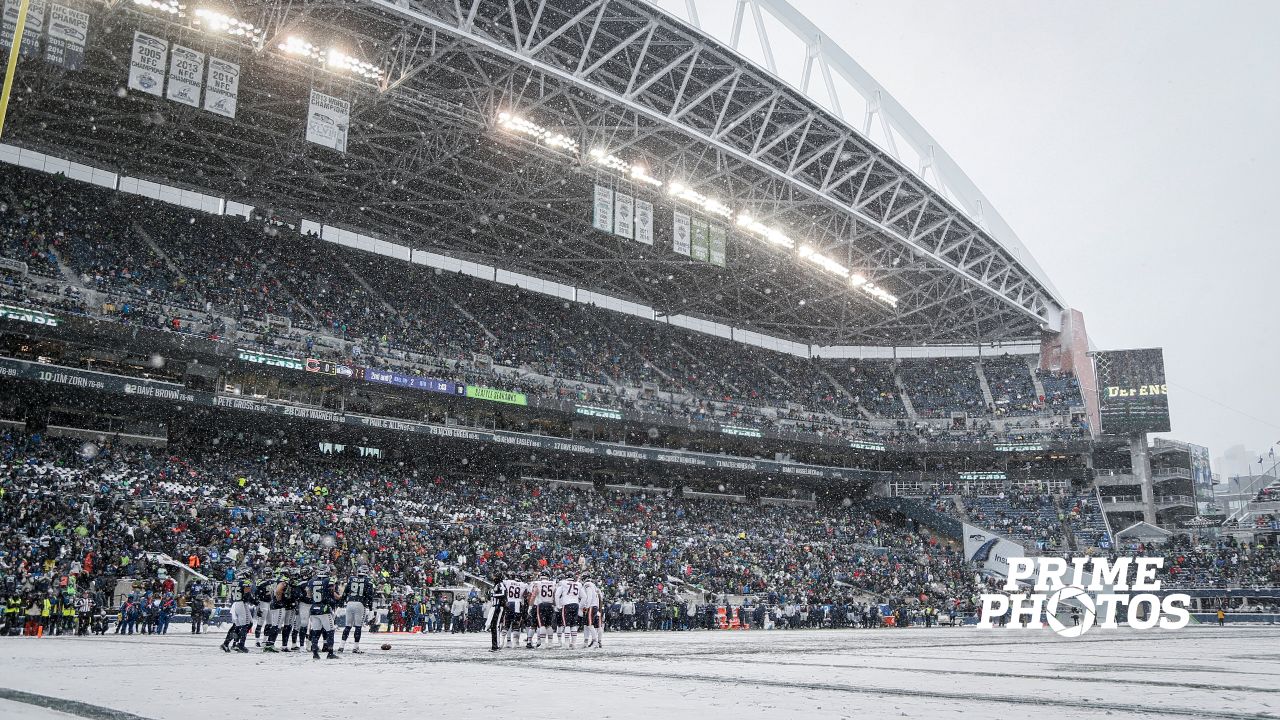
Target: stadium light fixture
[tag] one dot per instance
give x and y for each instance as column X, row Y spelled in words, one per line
column 333, row 59
column 216, row 22
column 301, row 48
column 764, row 232
column 342, row 61
column 636, row 172
column 173, row 7
column 521, row 126
column 822, row 261
column 693, row 197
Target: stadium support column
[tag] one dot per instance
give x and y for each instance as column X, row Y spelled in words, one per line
column 15, row 49
column 1140, row 458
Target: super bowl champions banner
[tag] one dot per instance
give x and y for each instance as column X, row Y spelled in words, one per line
column 328, row 120
column 990, row 552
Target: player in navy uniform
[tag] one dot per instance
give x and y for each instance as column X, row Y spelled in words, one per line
column 324, row 598
column 359, row 601
column 261, row 593
column 241, row 619
column 279, row 602
column 302, row 610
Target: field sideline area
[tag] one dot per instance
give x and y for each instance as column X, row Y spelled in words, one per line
column 1231, row 672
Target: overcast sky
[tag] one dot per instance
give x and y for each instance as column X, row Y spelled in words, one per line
column 1135, row 149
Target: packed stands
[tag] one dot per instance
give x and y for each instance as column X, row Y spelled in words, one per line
column 145, row 263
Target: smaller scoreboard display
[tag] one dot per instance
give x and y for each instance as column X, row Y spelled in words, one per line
column 1132, row 395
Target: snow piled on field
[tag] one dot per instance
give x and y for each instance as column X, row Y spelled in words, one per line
column 1231, row 672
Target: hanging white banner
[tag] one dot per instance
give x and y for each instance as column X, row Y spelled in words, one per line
column 680, row 234
column 716, row 250
column 186, row 76
column 327, row 121
column 602, row 214
column 31, row 33
column 644, row 221
column 224, row 87
column 624, row 215
column 147, row 65
column 68, row 32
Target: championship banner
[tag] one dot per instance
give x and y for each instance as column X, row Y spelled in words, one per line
column 624, row 215
column 147, row 66
column 224, row 87
column 644, row 221
column 186, row 76
column 680, row 234
column 716, row 253
column 30, row 44
column 698, row 239
column 68, row 33
column 327, row 121
column 602, row 212
column 990, row 552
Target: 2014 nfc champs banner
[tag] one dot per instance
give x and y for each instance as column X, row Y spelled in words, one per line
column 223, row 87
column 328, row 119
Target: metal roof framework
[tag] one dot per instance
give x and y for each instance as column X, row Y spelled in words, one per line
column 425, row 164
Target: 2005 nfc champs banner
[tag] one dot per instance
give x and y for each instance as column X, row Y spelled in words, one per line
column 328, row 119
column 147, row 63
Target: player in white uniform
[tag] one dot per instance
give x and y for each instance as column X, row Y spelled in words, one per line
column 569, row 597
column 542, row 594
column 592, row 619
column 514, row 590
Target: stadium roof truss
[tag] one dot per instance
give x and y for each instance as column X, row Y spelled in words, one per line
column 426, row 164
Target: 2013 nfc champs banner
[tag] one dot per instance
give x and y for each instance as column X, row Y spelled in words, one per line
column 186, row 76
column 328, row 119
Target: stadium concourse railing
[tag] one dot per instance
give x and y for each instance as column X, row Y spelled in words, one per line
column 78, row 326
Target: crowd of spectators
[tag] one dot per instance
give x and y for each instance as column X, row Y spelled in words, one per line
column 160, row 266
column 75, row 514
column 75, row 518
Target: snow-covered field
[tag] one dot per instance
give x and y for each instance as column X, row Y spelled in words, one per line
column 1198, row 672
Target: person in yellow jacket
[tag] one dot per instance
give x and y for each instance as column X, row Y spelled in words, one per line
column 46, row 609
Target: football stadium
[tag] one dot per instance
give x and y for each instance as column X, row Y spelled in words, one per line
column 441, row 339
